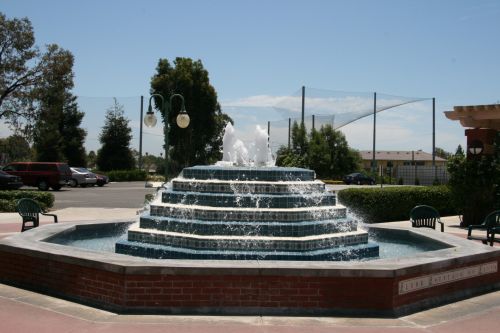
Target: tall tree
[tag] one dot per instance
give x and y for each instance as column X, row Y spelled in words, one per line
column 201, row 141
column 21, row 68
column 115, row 152
column 343, row 159
column 14, row 148
column 325, row 151
column 299, row 139
column 440, row 152
column 58, row 135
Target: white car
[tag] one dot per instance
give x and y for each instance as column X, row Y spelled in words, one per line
column 82, row 177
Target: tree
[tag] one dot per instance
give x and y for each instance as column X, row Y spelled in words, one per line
column 325, row 151
column 115, row 152
column 201, row 141
column 343, row 159
column 21, row 68
column 440, row 152
column 299, row 139
column 319, row 157
column 58, row 135
column 14, row 149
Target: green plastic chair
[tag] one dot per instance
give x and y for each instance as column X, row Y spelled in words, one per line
column 425, row 217
column 30, row 212
column 491, row 225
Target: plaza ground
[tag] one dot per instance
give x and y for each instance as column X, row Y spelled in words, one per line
column 26, row 311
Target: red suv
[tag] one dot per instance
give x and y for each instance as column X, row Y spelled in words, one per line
column 41, row 174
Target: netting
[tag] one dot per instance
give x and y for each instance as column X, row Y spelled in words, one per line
column 336, row 108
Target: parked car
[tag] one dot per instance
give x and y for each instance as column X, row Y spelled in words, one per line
column 9, row 182
column 82, row 177
column 40, row 174
column 102, row 180
column 358, row 178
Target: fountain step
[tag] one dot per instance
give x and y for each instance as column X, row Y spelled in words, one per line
column 242, row 187
column 207, row 213
column 168, row 252
column 284, row 229
column 249, row 200
column 261, row 243
column 248, row 173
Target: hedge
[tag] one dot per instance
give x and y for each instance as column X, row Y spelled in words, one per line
column 387, row 204
column 8, row 199
column 126, row 175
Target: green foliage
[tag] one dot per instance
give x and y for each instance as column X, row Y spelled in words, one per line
column 201, row 141
column 57, row 134
column 115, row 153
column 23, row 68
column 8, row 199
column 154, row 162
column 440, row 152
column 475, row 184
column 325, row 151
column 16, row 148
column 19, row 64
column 126, row 175
column 375, row 205
column 300, row 143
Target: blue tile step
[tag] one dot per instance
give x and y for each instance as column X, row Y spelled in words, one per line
column 156, row 251
column 249, row 200
column 238, row 228
column 248, row 173
column 243, row 187
column 207, row 213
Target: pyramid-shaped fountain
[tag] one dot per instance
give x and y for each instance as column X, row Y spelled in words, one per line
column 245, row 213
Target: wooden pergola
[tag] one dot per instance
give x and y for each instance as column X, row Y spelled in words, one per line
column 476, row 116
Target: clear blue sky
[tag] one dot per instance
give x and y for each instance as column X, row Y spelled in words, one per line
column 444, row 49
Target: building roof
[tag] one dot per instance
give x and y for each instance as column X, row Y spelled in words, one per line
column 398, row 155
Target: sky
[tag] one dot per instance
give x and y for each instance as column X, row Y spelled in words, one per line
column 260, row 53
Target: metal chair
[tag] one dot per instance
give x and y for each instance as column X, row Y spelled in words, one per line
column 425, row 216
column 30, row 212
column 491, row 225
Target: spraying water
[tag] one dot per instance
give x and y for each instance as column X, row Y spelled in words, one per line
column 235, row 153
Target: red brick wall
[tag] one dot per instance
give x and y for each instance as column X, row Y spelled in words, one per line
column 120, row 291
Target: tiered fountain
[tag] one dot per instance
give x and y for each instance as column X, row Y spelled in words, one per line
column 242, row 210
column 236, row 211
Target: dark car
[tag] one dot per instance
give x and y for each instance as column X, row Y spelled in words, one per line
column 9, row 182
column 101, row 180
column 41, row 174
column 358, row 178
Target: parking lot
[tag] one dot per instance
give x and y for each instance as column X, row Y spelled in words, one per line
column 122, row 195
column 112, row 195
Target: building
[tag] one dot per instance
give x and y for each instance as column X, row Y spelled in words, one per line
column 408, row 167
column 399, row 158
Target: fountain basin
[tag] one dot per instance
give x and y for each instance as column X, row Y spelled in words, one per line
column 127, row 284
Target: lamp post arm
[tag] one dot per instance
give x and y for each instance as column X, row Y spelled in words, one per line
column 183, row 107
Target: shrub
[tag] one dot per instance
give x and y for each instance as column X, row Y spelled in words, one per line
column 127, row 175
column 8, row 199
column 394, row 203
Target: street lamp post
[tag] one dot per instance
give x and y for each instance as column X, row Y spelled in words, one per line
column 182, row 120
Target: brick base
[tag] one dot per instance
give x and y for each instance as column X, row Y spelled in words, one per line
column 237, row 294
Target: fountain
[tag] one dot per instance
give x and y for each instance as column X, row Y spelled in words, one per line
column 244, row 237
column 246, row 210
